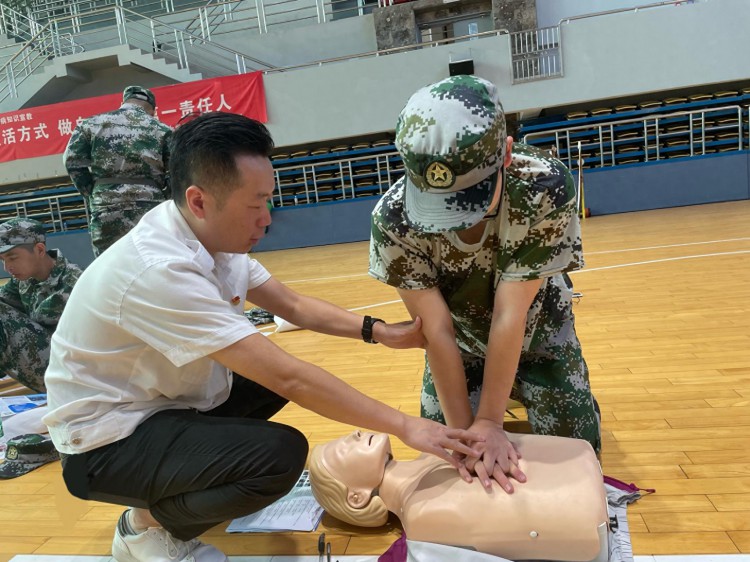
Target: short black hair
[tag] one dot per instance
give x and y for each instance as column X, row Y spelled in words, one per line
column 204, row 151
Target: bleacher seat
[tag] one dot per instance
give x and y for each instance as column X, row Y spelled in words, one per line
column 726, row 94
column 577, row 115
column 649, row 104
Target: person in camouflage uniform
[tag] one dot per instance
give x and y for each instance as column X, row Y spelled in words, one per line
column 32, row 301
column 118, row 161
column 478, row 237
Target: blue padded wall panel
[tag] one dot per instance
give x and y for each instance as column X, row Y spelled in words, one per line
column 686, row 181
column 318, row 225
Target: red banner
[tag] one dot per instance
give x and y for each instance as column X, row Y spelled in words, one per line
column 45, row 130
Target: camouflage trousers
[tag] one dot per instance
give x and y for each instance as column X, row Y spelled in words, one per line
column 107, row 224
column 554, row 389
column 24, row 348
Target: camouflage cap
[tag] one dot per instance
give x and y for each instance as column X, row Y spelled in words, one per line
column 27, row 452
column 19, row 231
column 451, row 137
column 139, row 93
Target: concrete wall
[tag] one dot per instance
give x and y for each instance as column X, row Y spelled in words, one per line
column 399, row 25
column 515, row 15
column 301, row 45
column 287, row 43
column 656, row 185
column 550, row 12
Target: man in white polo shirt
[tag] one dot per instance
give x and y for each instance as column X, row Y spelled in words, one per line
column 160, row 389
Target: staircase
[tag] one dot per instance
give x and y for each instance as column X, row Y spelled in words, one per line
column 25, row 48
column 107, row 34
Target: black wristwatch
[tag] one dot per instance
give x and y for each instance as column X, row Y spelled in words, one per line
column 367, row 324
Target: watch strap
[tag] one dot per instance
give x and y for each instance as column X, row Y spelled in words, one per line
column 367, row 324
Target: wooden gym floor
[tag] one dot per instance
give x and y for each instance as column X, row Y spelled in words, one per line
column 665, row 326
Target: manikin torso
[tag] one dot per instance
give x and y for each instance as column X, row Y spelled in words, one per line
column 557, row 515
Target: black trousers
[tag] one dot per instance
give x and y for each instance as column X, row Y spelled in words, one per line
column 193, row 470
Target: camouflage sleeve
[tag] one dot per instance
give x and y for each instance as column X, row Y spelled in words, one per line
column 552, row 242
column 398, row 258
column 9, row 295
column 48, row 311
column 166, row 155
column 167, row 148
column 77, row 159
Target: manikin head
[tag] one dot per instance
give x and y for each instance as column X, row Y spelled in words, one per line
column 345, row 475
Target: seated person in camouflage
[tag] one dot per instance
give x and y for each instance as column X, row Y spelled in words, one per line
column 118, row 161
column 478, row 238
column 32, row 301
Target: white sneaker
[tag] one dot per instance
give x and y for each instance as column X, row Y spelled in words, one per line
column 157, row 545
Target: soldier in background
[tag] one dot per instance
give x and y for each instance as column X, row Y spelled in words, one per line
column 32, row 301
column 477, row 237
column 118, row 161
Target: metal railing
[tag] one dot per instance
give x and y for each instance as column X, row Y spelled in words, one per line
column 536, row 54
column 59, row 213
column 309, row 182
column 211, row 16
column 114, row 26
column 227, row 16
column 43, row 11
column 646, row 139
column 44, row 46
column 623, row 10
column 263, row 14
column 17, row 25
column 336, row 179
column 40, row 44
column 23, row 29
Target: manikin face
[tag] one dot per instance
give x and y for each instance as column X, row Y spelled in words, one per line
column 240, row 222
column 358, row 460
column 24, row 262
